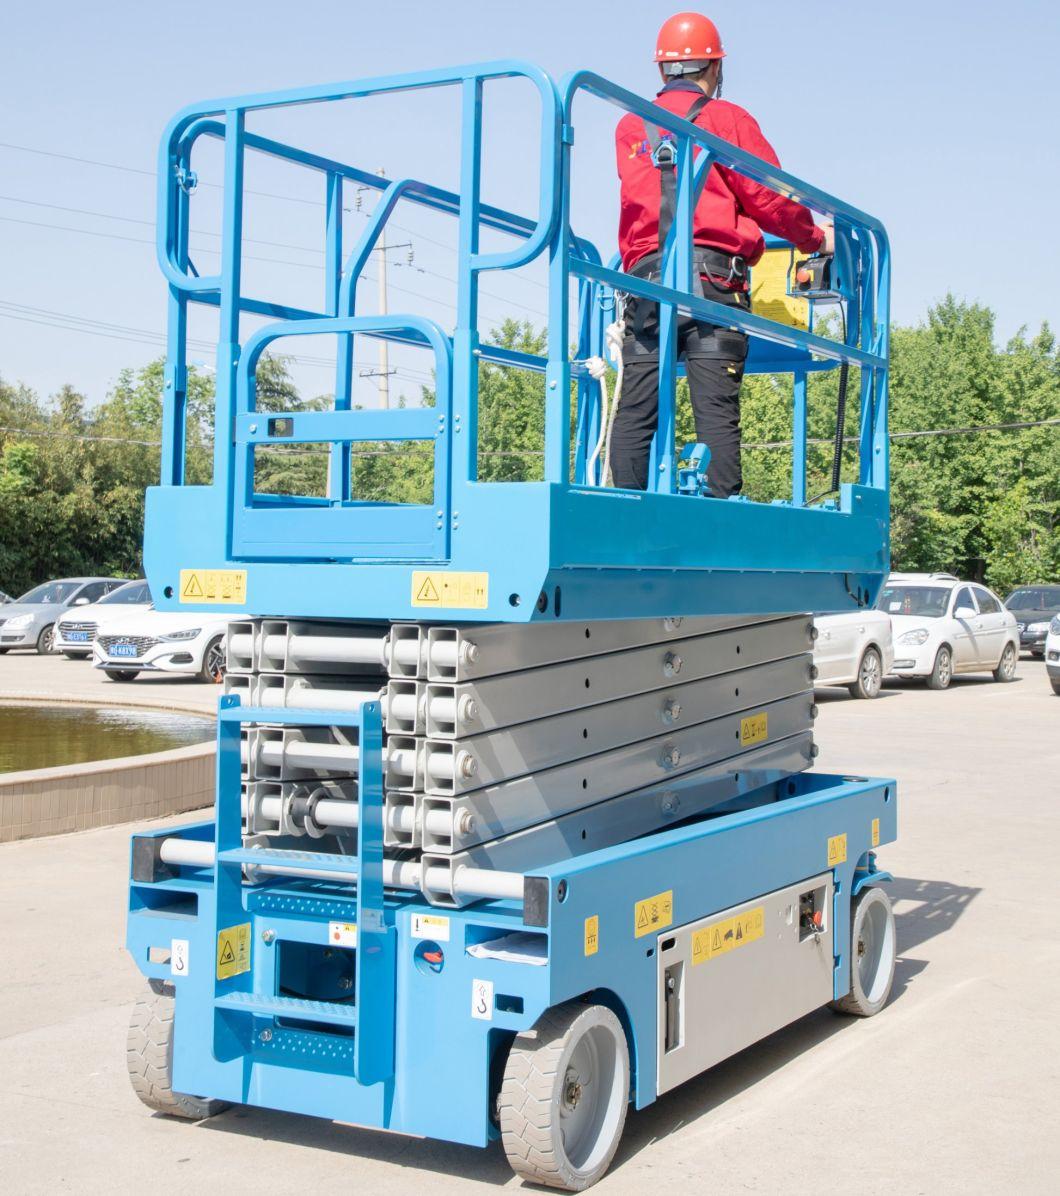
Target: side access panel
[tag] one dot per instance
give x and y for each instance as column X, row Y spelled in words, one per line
column 735, row 977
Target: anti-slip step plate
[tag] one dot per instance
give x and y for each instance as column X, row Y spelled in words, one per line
column 453, row 711
column 513, row 805
column 464, row 765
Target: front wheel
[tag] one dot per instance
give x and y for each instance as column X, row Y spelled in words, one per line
column 1006, row 668
column 122, row 674
column 213, row 662
column 46, row 641
column 870, row 676
column 942, row 671
column 873, row 949
column 149, row 1057
column 563, row 1099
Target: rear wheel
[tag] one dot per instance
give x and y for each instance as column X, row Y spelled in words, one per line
column 873, row 950
column 942, row 671
column 1006, row 668
column 46, row 641
column 213, row 661
column 149, row 1056
column 122, row 674
column 870, row 675
column 563, row 1099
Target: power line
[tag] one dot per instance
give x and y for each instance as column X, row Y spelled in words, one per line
column 968, row 431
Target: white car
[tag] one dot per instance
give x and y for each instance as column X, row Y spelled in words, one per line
column 853, row 649
column 156, row 641
column 1052, row 654
column 943, row 626
column 74, row 633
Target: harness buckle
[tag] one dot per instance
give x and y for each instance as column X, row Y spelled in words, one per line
column 664, row 155
column 737, row 269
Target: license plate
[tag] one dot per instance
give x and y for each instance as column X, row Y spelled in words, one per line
column 123, row 650
column 77, row 637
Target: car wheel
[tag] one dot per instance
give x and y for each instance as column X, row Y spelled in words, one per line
column 213, row 661
column 1055, row 683
column 76, row 655
column 122, row 674
column 46, row 641
column 942, row 670
column 870, row 676
column 1006, row 668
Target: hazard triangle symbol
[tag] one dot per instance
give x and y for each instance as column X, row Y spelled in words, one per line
column 427, row 592
column 642, row 918
column 193, row 589
column 227, row 954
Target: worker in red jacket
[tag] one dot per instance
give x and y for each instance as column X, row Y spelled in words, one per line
column 727, row 236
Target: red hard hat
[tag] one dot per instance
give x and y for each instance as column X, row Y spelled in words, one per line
column 688, row 37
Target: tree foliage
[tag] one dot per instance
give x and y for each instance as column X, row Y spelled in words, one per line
column 984, row 505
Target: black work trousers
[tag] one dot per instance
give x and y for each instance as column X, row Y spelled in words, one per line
column 714, row 359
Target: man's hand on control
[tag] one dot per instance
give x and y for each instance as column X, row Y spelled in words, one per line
column 828, row 242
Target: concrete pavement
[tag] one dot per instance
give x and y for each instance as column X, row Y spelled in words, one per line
column 27, row 676
column 954, row 1088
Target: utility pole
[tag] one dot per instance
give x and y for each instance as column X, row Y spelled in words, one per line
column 384, row 345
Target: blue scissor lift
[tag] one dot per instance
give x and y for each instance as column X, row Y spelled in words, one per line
column 513, row 824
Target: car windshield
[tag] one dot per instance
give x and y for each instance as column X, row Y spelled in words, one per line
column 1041, row 598
column 51, row 593
column 925, row 602
column 137, row 593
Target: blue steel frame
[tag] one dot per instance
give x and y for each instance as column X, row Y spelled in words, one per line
column 584, row 554
column 407, row 1055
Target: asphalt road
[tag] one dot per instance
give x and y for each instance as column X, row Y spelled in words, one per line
column 954, row 1088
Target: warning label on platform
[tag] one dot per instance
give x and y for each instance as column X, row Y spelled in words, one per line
column 875, row 832
column 342, row 934
column 754, row 728
column 653, row 913
column 444, row 590
column 837, row 850
column 592, row 935
column 233, row 951
column 430, row 926
column 214, row 585
column 727, row 935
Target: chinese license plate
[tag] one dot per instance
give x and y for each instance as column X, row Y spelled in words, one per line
column 77, row 637
column 123, row 649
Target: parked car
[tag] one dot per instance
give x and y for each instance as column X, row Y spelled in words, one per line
column 855, row 650
column 1052, row 654
column 1034, row 607
column 155, row 641
column 74, row 633
column 943, row 626
column 29, row 621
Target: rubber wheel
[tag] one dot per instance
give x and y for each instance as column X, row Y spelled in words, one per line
column 213, row 662
column 46, row 641
column 1006, row 666
column 942, row 671
column 1055, row 684
column 149, row 1055
column 563, row 1099
column 76, row 655
column 873, row 948
column 122, row 674
column 870, row 675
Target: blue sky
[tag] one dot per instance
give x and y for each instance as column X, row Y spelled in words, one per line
column 937, row 117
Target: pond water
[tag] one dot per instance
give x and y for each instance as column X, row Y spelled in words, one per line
column 45, row 736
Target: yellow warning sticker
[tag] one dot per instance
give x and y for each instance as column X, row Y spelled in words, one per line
column 592, row 935
column 214, row 585
column 653, row 913
column 754, row 728
column 769, row 291
column 441, row 589
column 721, row 937
column 875, row 832
column 233, row 951
column 837, row 850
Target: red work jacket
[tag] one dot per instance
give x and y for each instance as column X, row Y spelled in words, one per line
column 732, row 209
